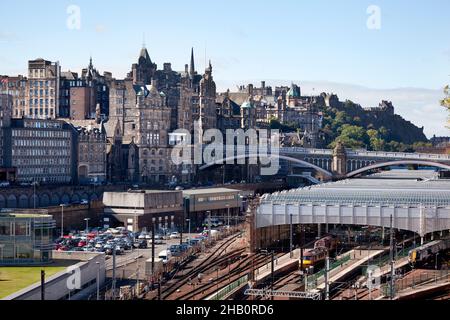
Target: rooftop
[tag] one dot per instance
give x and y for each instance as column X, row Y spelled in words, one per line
column 394, row 188
column 17, row 213
column 209, row 191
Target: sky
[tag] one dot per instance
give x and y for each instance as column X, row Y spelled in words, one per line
column 382, row 47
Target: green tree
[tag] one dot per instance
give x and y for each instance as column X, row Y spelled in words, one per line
column 354, row 137
column 446, row 101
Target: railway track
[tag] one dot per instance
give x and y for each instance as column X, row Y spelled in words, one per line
column 178, row 280
column 244, row 266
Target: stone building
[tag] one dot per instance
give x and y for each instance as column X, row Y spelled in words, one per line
column 248, row 115
column 91, row 146
column 42, row 92
column 15, row 87
column 228, row 113
column 147, row 106
column 153, row 119
column 6, row 173
column 206, row 114
column 81, row 96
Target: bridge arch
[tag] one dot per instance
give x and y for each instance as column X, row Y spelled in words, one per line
column 397, row 163
column 23, row 201
column 55, row 199
column 12, row 201
column 44, row 200
column 281, row 157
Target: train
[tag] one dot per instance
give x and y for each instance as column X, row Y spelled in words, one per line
column 328, row 242
column 314, row 257
column 426, row 252
column 318, row 254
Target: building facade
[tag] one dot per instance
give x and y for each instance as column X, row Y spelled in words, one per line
column 91, row 166
column 141, row 209
column 42, row 150
column 42, row 90
column 26, row 238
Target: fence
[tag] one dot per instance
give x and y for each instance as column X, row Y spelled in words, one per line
column 228, row 289
column 313, row 281
column 417, row 281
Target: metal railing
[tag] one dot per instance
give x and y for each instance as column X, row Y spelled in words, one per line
column 417, row 281
column 313, row 281
column 219, row 295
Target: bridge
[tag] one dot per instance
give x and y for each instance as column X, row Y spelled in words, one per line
column 51, row 195
column 339, row 163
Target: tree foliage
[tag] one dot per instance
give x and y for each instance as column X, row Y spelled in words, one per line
column 446, row 101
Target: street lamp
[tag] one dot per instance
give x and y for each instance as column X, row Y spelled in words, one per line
column 209, row 224
column 1, row 247
column 228, row 208
column 189, row 230
column 62, row 219
column 87, row 225
column 436, row 264
column 98, row 280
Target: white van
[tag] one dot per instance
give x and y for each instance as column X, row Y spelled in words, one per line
column 164, row 256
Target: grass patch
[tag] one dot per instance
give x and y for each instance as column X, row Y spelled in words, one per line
column 13, row 279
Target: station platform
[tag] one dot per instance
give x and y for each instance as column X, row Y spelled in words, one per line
column 282, row 263
column 357, row 259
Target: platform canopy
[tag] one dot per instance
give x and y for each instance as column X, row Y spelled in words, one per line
column 417, row 201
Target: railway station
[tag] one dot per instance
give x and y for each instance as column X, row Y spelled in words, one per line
column 382, row 236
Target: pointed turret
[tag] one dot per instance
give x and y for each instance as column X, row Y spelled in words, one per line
column 192, row 65
column 144, row 55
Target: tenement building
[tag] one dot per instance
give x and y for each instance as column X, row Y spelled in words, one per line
column 91, row 154
column 145, row 108
column 42, row 90
column 6, row 173
column 15, row 87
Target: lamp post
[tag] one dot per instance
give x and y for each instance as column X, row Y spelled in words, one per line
column 1, row 247
column 228, row 208
column 436, row 264
column 87, row 225
column 62, row 219
column 189, row 229
column 98, row 280
column 209, row 224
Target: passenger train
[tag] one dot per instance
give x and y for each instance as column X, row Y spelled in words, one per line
column 426, row 252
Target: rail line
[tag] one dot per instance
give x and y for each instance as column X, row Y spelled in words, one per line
column 242, row 267
column 209, row 262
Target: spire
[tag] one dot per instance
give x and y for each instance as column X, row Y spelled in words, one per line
column 144, row 54
column 192, row 66
column 209, row 69
column 90, row 62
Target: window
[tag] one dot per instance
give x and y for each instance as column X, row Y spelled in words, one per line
column 5, row 228
column 21, row 228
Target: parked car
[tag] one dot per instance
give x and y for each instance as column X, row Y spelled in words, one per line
column 142, row 244
column 174, row 235
column 4, row 184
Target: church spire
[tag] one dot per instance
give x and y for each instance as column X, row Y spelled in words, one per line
column 192, row 65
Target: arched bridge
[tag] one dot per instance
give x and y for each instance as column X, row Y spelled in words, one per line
column 326, row 161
